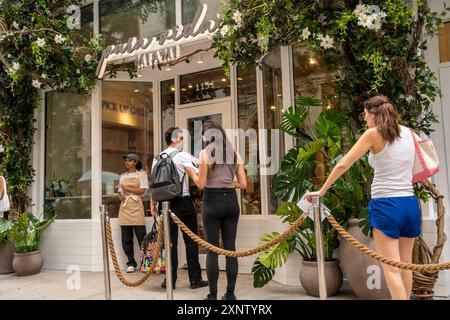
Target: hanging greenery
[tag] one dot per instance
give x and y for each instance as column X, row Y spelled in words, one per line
column 41, row 46
column 375, row 45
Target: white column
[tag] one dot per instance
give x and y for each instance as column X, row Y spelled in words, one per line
column 96, row 151
column 441, row 140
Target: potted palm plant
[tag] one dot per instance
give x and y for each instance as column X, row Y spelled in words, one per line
column 303, row 242
column 6, row 246
column 320, row 145
column 25, row 233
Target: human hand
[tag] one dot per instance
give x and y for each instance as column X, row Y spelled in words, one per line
column 309, row 195
column 120, row 185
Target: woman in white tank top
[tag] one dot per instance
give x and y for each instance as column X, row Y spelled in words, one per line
column 394, row 213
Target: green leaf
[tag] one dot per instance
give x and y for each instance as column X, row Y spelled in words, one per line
column 309, row 150
column 277, row 255
column 308, row 101
column 293, row 179
column 261, row 274
column 289, row 211
column 292, row 118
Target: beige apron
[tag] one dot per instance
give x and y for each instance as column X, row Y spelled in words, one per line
column 131, row 212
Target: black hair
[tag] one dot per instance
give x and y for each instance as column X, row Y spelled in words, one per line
column 168, row 135
column 213, row 135
column 139, row 165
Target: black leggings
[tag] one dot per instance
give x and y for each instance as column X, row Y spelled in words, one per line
column 220, row 213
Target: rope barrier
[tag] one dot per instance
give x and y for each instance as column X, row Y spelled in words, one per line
column 401, row 265
column 248, row 252
column 241, row 253
column 115, row 262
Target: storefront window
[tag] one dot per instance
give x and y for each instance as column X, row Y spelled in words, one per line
column 127, row 127
column 204, row 85
column 248, row 124
column 121, row 20
column 444, row 43
column 313, row 77
column 68, row 154
column 190, row 7
column 87, row 21
column 273, row 105
column 167, row 108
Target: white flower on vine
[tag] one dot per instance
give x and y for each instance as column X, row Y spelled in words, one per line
column 40, row 42
column 37, row 83
column 376, row 22
column 43, row 76
column 327, row 42
column 305, row 33
column 319, row 37
column 263, row 41
column 59, row 39
column 365, row 20
column 14, row 68
column 77, row 71
column 360, row 10
column 383, row 15
column 237, row 17
column 15, row 25
column 224, row 30
column 88, row 58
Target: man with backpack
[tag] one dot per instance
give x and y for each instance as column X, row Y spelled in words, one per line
column 168, row 185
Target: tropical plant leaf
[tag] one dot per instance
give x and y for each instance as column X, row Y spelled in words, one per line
column 293, row 180
column 309, row 150
column 261, row 274
column 308, row 101
column 289, row 211
column 277, row 255
column 292, row 118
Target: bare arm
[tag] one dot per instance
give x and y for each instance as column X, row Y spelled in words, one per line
column 241, row 182
column 364, row 143
column 203, row 171
column 137, row 191
column 2, row 188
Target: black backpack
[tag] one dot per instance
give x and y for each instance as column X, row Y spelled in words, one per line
column 164, row 181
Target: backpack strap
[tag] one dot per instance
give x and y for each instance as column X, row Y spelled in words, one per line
column 173, row 154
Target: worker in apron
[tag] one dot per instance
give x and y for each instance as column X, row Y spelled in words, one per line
column 132, row 185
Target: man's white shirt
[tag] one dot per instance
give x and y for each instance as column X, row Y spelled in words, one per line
column 181, row 160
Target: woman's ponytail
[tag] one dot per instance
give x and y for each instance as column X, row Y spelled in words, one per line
column 385, row 116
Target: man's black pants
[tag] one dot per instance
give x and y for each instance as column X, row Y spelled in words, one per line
column 184, row 209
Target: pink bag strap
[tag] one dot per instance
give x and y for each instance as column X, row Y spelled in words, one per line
column 416, row 144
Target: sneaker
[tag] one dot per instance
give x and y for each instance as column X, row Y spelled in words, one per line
column 199, row 284
column 164, row 285
column 210, row 297
column 130, row 269
column 229, row 296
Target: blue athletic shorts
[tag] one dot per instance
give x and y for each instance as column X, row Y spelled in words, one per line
column 395, row 216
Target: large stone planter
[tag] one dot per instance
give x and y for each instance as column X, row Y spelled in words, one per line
column 310, row 281
column 6, row 257
column 365, row 274
column 28, row 263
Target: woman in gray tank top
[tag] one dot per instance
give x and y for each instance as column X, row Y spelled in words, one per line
column 218, row 166
column 394, row 213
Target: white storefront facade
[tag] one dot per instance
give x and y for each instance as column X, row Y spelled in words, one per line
column 81, row 139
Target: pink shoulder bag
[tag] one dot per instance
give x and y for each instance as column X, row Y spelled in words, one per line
column 426, row 162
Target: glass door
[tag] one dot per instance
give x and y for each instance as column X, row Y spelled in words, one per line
column 192, row 119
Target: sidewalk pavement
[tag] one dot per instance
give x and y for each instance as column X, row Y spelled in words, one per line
column 57, row 285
